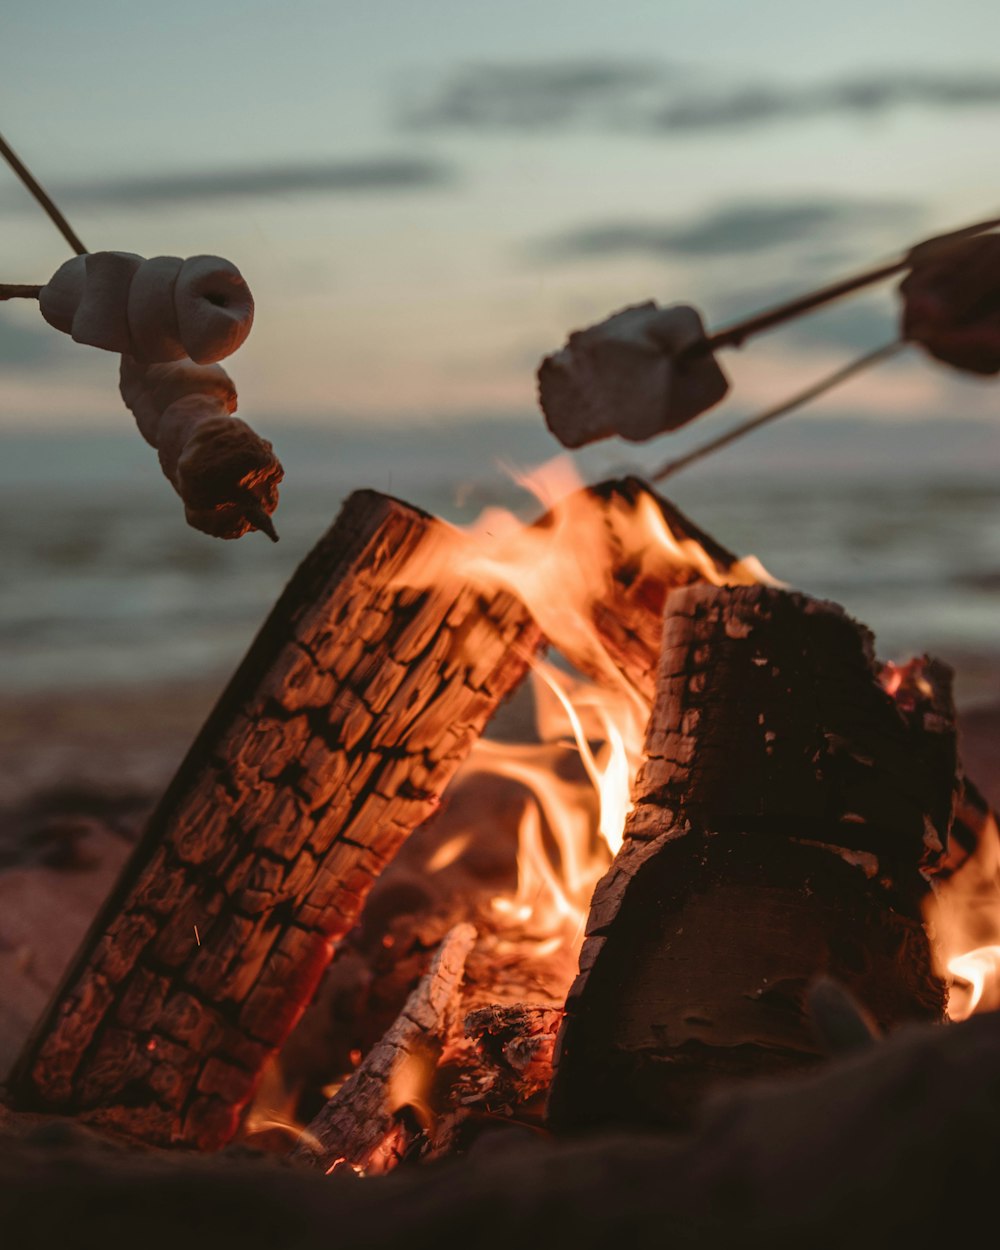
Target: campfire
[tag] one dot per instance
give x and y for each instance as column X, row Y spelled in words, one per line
column 376, row 922
column 363, row 932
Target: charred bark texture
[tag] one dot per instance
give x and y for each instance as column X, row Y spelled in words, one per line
column 786, row 808
column 654, row 549
column 361, row 1126
column 334, row 740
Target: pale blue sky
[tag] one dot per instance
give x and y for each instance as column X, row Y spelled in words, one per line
column 571, row 158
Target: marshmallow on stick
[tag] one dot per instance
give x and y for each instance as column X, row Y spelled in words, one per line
column 226, row 474
column 951, row 301
column 154, row 310
column 636, row 374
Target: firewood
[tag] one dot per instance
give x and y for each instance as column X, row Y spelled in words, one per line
column 334, row 740
column 783, row 816
column 360, row 1126
column 628, row 609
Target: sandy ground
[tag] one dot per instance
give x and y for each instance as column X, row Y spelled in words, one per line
column 78, row 775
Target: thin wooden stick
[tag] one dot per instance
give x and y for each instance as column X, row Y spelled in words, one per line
column 60, row 222
column 770, row 414
column 14, row 290
column 736, row 334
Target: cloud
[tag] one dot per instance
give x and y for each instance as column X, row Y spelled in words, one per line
column 551, row 95
column 739, row 228
column 755, row 106
column 378, row 175
column 531, row 96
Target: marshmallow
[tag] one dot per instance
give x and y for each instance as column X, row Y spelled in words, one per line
column 951, row 302
column 152, row 316
column 226, row 474
column 628, row 376
column 157, row 310
column 214, row 308
column 59, row 298
column 101, row 317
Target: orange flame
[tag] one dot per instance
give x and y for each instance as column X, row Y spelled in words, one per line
column 561, row 570
column 963, row 919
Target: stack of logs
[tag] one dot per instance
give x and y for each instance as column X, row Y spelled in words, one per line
column 792, row 805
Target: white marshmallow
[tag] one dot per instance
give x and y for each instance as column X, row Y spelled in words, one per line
column 101, row 317
column 157, row 310
column 624, row 377
column 214, row 308
column 152, row 317
column 60, row 297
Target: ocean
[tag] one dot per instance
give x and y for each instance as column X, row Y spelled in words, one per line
column 101, row 582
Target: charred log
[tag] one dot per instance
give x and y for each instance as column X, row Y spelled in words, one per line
column 787, row 810
column 363, row 1126
column 654, row 549
column 334, row 740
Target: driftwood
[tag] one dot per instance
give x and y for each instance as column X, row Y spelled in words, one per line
column 334, row 740
column 361, row 1127
column 782, row 818
column 886, row 1148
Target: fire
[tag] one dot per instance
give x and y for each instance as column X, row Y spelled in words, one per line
column 963, row 918
column 561, row 569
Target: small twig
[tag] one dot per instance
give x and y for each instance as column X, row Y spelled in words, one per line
column 13, row 290
column 22, row 171
column 736, row 334
column 771, row 414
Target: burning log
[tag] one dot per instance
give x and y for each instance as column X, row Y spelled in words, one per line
column 361, row 1126
column 654, row 549
column 334, row 740
column 783, row 816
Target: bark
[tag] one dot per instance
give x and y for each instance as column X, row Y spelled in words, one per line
column 334, row 740
column 783, row 816
column 362, row 1125
column 645, row 567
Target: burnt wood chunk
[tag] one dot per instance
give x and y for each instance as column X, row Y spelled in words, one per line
column 785, row 815
column 654, row 549
column 363, row 1125
column 334, row 740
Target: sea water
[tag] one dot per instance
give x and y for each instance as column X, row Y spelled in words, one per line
column 102, row 582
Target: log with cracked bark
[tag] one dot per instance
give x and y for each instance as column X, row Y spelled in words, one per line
column 334, row 740
column 782, row 820
column 360, row 1126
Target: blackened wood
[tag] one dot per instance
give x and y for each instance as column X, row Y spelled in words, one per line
column 654, row 549
column 782, row 818
column 335, row 739
column 360, row 1127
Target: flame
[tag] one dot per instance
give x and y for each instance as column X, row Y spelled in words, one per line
column 963, row 919
column 562, row 569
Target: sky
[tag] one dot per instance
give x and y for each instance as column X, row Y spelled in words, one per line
column 425, row 196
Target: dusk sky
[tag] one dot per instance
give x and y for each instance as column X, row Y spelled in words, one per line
column 426, row 195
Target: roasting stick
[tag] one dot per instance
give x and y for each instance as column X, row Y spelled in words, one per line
column 812, row 392
column 36, row 189
column 736, row 334
column 23, row 290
